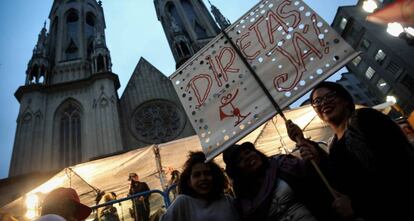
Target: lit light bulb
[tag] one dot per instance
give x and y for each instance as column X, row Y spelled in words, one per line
column 30, row 214
column 369, row 6
column 391, row 99
column 395, row 29
column 31, row 201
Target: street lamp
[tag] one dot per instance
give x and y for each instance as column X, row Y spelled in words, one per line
column 398, row 16
column 369, row 6
column 395, row 29
column 393, row 101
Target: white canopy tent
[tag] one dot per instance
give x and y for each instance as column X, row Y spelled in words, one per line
column 111, row 173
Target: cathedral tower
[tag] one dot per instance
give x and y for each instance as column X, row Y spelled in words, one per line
column 69, row 103
column 188, row 26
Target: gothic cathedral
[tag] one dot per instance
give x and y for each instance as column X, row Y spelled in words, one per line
column 70, row 111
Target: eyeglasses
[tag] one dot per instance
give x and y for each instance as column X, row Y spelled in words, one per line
column 326, row 99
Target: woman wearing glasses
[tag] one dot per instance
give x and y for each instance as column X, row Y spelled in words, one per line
column 370, row 160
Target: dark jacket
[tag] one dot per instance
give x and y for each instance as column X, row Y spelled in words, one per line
column 372, row 164
column 307, row 193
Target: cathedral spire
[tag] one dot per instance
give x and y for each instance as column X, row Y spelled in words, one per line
column 39, row 63
column 101, row 59
column 188, row 26
column 222, row 21
column 40, row 48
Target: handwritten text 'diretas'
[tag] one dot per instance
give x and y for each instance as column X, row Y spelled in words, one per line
column 289, row 47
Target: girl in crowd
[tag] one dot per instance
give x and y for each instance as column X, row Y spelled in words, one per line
column 201, row 193
column 281, row 187
column 369, row 161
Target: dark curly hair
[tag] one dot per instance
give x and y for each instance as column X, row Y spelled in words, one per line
column 243, row 182
column 218, row 177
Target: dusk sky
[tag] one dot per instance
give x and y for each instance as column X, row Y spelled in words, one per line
column 132, row 31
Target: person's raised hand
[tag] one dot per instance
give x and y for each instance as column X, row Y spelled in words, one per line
column 294, row 131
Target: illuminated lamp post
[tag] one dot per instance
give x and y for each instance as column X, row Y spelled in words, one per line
column 393, row 101
column 369, row 6
column 399, row 17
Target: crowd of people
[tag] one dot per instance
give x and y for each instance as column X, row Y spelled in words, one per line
column 364, row 175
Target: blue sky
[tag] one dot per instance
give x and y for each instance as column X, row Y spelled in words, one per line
column 133, row 31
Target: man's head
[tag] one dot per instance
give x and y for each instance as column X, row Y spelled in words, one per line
column 133, row 176
column 65, row 202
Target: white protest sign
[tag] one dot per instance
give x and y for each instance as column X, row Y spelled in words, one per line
column 290, row 48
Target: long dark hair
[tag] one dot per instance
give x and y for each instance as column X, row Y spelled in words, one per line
column 218, row 177
column 243, row 184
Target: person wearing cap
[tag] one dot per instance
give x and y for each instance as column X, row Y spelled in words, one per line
column 281, row 187
column 141, row 205
column 63, row 204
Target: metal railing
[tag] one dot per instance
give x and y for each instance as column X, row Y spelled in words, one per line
column 166, row 201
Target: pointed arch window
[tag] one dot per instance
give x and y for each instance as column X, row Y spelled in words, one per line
column 72, row 29
column 71, row 50
column 34, row 73
column 174, row 17
column 184, row 48
column 89, row 50
column 200, row 31
column 69, row 119
column 191, row 15
column 90, row 25
column 189, row 10
column 101, row 63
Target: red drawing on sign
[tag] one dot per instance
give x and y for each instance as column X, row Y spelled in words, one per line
column 232, row 111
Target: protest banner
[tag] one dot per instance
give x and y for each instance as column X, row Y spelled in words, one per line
column 289, row 47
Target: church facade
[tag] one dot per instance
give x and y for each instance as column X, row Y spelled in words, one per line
column 70, row 111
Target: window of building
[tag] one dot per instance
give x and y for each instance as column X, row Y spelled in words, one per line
column 70, row 134
column 174, row 18
column 408, row 82
column 393, row 67
column 369, row 73
column 343, row 23
column 356, row 61
column 380, row 56
column 383, row 86
column 72, row 34
column 90, row 19
column 200, row 31
column 365, row 44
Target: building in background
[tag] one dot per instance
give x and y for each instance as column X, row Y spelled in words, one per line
column 359, row 91
column 385, row 66
column 188, row 26
column 70, row 111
